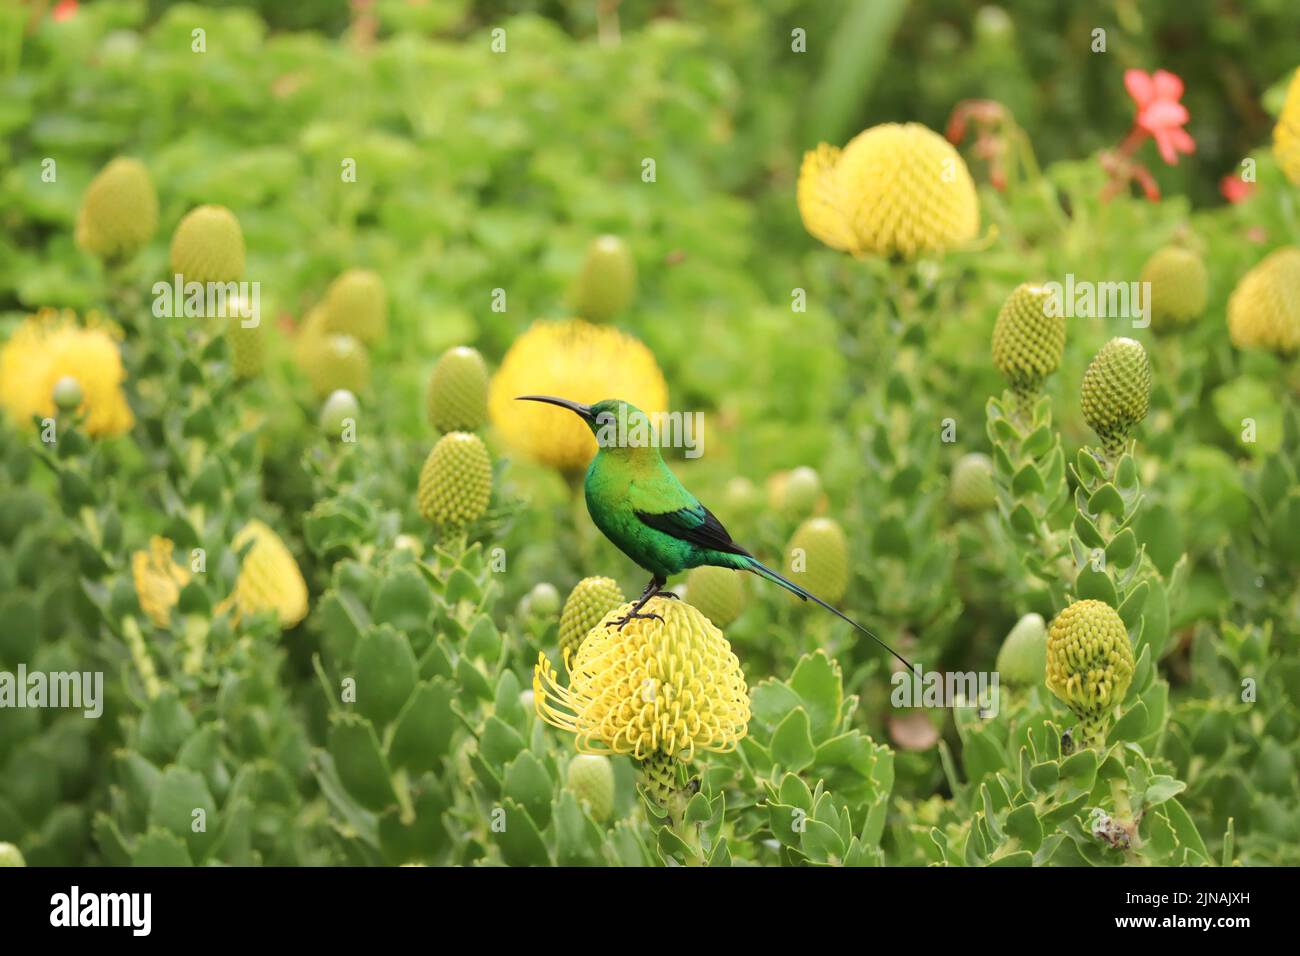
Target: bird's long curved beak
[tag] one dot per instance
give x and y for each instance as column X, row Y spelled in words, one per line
column 579, row 409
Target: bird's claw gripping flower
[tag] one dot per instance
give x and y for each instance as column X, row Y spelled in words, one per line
column 1115, row 393
column 269, row 578
column 587, row 605
column 457, row 396
column 208, row 246
column 158, row 580
column 670, row 688
column 119, row 211
column 894, row 189
column 1089, row 664
column 1028, row 338
column 455, row 481
column 1179, row 286
column 1264, row 308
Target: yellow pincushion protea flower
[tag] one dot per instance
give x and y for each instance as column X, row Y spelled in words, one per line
column 655, row 688
column 158, row 580
column 1286, row 135
column 1264, row 308
column 894, row 189
column 269, row 578
column 51, row 346
column 579, row 361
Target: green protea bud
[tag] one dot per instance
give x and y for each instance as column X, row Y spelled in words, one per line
column 588, row 603
column 341, row 406
column 68, row 394
column 1089, row 665
column 333, row 362
column 119, row 212
column 208, row 246
column 817, row 559
column 458, row 389
column 1116, row 390
column 1028, row 338
column 971, row 488
column 717, row 593
column 591, row 779
column 1023, row 657
column 542, row 601
column 1180, row 286
column 456, row 481
column 247, row 347
column 606, row 281
column 800, row 491
column 742, row 496
column 11, row 856
column 356, row 304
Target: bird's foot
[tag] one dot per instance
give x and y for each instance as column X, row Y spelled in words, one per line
column 623, row 621
column 668, row 594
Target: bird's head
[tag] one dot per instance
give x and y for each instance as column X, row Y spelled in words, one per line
column 617, row 425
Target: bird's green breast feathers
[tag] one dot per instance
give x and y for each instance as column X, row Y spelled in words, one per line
column 618, row 487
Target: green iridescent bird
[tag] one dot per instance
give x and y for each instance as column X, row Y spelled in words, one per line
column 650, row 516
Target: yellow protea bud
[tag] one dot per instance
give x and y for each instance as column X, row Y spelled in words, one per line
column 1116, row 391
column 718, row 593
column 1264, row 308
column 972, row 488
column 1180, row 286
column 894, row 189
column 1028, row 338
column 817, row 559
column 456, row 481
column 356, row 304
column 51, row 346
column 575, row 360
column 587, row 605
column 208, row 246
column 333, row 362
column 457, row 396
column 1089, row 664
column 1022, row 658
column 10, row 855
column 591, row 779
column 606, row 281
column 119, row 212
column 247, row 347
column 1286, row 135
column 669, row 685
column 269, row 579
column 158, row 580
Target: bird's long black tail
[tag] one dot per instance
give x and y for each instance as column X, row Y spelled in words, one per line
column 764, row 571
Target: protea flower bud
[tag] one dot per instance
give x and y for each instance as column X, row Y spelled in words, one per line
column 1179, row 286
column 269, row 578
column 457, row 396
column 208, row 246
column 894, row 189
column 119, row 212
column 656, row 688
column 607, row 280
column 586, row 606
column 456, row 481
column 1116, row 390
column 335, row 412
column 798, row 491
column 1089, row 664
column 1028, row 338
column 68, row 394
column 717, row 593
column 591, row 778
column 247, row 347
column 1022, row 659
column 356, row 304
column 1264, row 308
column 1286, row 135
column 971, row 488
column 334, row 362
column 543, row 600
column 10, row 855
column 817, row 559
column 158, row 580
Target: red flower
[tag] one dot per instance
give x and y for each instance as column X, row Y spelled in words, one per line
column 1235, row 189
column 1159, row 112
column 63, row 10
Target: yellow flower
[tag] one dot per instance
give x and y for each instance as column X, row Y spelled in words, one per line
column 894, row 189
column 158, row 580
column 1089, row 664
column 269, row 578
column 51, row 346
column 576, row 360
column 657, row 687
column 1286, row 135
column 1264, row 308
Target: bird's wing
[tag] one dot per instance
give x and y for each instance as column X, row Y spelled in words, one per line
column 694, row 524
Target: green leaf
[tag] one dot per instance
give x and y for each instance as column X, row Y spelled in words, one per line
column 160, row 848
column 385, row 674
column 1087, row 531
column 1131, row 726
column 529, row 785
column 1160, row 533
column 1106, row 499
column 517, row 837
column 404, row 600
column 1122, row 550
column 360, row 764
column 424, row 727
column 181, row 802
column 1027, row 481
column 1161, row 788
column 816, row 679
column 792, row 746
column 1095, row 585
column 1022, row 823
column 499, row 742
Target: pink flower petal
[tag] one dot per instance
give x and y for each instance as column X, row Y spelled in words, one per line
column 1166, row 147
column 1168, row 86
column 1140, row 86
column 1182, row 141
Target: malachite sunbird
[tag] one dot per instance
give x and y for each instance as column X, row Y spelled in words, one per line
column 639, row 504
